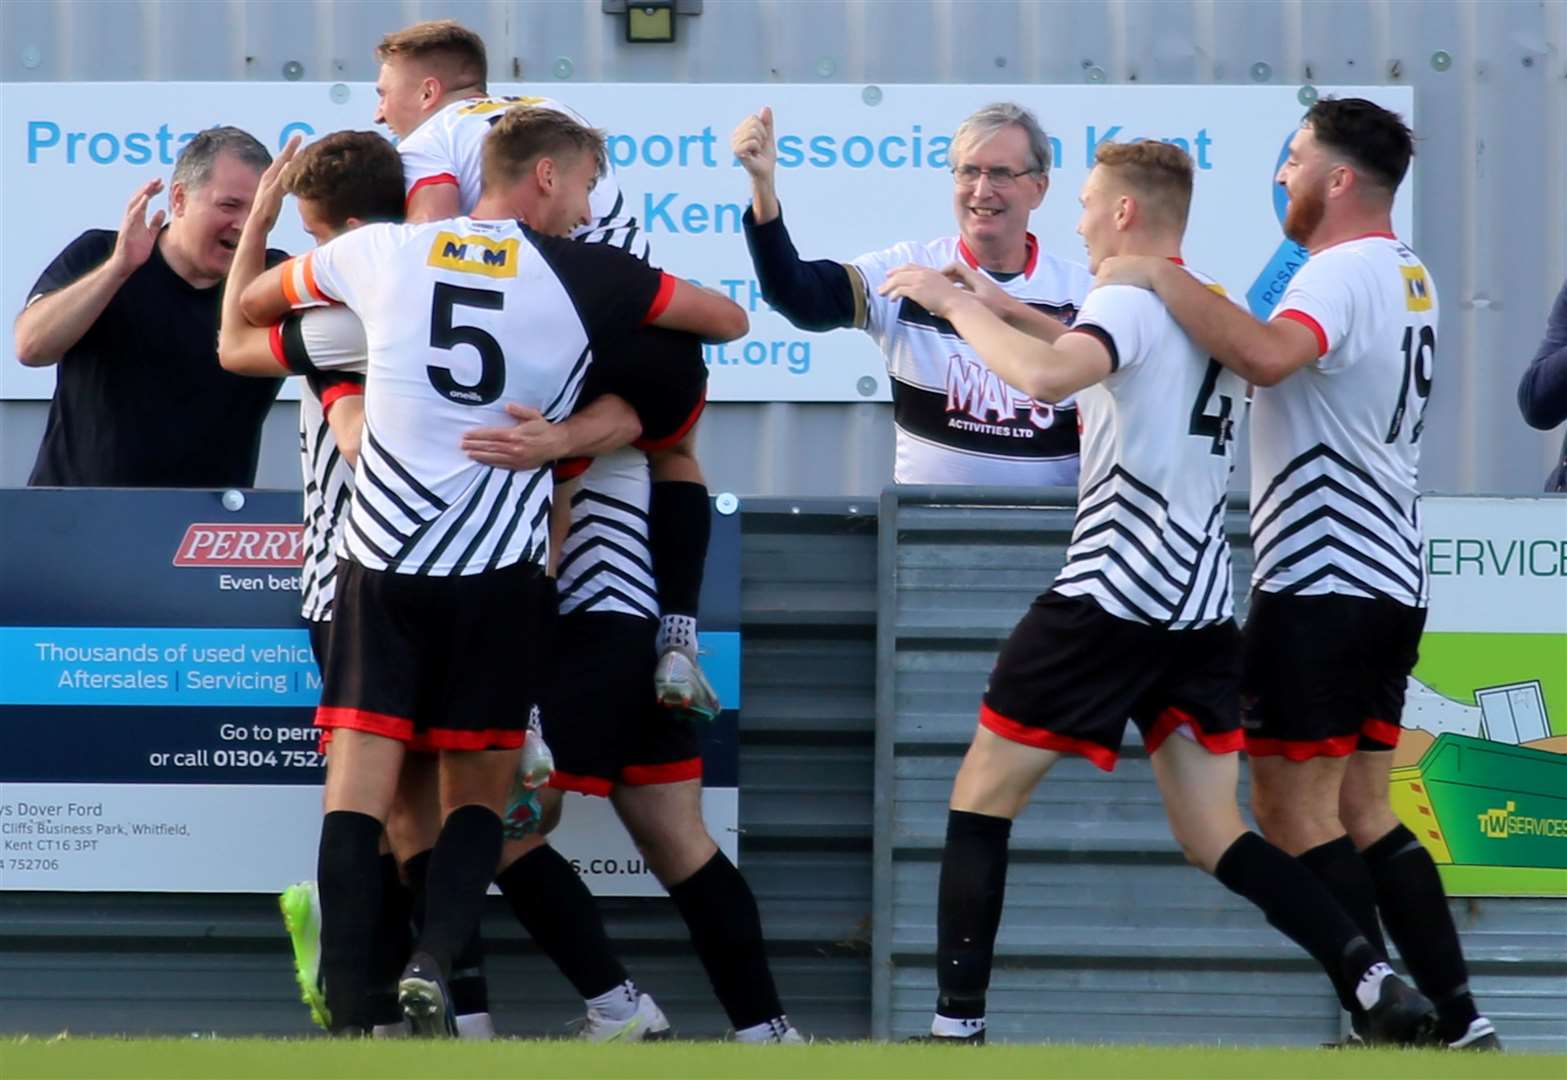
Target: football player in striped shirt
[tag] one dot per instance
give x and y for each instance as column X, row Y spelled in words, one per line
column 1139, row 622
column 610, row 739
column 343, row 180
column 432, row 96
column 339, row 182
column 443, row 558
column 1344, row 371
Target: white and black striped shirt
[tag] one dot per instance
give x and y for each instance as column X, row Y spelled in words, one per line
column 327, row 345
column 1158, row 447
column 461, row 318
column 1336, row 446
column 606, row 564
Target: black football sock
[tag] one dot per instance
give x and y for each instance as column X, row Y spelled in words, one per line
column 557, row 910
column 349, row 875
column 1414, row 907
column 462, row 864
column 470, row 988
column 1297, row 905
column 679, row 527
column 726, row 930
column 1344, row 874
column 416, row 872
column 393, row 940
column 972, row 886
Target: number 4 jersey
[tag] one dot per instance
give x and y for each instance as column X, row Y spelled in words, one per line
column 462, row 318
column 1157, row 448
column 1335, row 447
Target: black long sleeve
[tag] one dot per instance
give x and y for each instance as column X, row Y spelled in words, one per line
column 815, row 295
column 1542, row 392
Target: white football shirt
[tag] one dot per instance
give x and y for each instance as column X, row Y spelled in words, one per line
column 462, row 317
column 1158, row 446
column 956, row 422
column 1335, row 447
column 449, row 148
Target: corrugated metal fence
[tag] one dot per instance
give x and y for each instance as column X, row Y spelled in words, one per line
column 1107, row 934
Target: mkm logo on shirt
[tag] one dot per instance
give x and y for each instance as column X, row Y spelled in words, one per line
column 474, row 255
column 1417, row 290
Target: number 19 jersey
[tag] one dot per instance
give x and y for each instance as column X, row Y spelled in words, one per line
column 1336, row 446
column 461, row 318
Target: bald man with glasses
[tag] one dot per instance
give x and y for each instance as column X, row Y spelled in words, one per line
column 956, row 421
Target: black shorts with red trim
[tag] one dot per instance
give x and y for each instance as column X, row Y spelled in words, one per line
column 320, row 640
column 600, row 717
column 439, row 663
column 1324, row 676
column 661, row 374
column 1071, row 675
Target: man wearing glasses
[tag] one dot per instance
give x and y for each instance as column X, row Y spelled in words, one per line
column 956, row 421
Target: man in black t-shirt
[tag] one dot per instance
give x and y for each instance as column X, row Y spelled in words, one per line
column 131, row 318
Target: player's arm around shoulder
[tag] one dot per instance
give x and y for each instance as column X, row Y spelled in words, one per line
column 344, row 270
column 1263, row 354
column 710, row 315
column 1044, row 371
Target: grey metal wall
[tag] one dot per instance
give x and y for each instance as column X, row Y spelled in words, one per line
column 1106, row 934
column 173, row 964
column 1492, row 219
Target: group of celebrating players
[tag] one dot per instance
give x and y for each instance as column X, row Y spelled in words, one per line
column 499, row 477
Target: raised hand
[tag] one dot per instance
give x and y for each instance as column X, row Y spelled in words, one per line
column 269, row 191
column 134, row 245
column 753, row 143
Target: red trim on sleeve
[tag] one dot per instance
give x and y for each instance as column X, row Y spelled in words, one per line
column 1007, row 728
column 1224, row 742
column 661, row 299
column 428, row 181
column 1382, row 731
column 336, row 392
column 571, row 468
column 1297, row 315
column 584, row 785
column 1290, row 749
column 653, row 446
column 275, row 339
column 671, row 772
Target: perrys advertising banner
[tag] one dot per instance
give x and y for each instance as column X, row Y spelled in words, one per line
column 860, row 169
column 157, row 690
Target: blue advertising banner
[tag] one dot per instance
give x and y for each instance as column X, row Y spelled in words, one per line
column 157, row 693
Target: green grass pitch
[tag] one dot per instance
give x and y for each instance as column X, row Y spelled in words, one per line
column 304, row 1059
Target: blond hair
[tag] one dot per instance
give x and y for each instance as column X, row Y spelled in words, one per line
column 524, row 134
column 1159, row 173
column 444, row 47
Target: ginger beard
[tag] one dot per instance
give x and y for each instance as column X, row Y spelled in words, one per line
column 1303, row 215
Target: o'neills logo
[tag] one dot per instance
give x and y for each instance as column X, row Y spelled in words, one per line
column 241, row 545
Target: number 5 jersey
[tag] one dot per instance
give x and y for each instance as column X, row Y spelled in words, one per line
column 462, row 317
